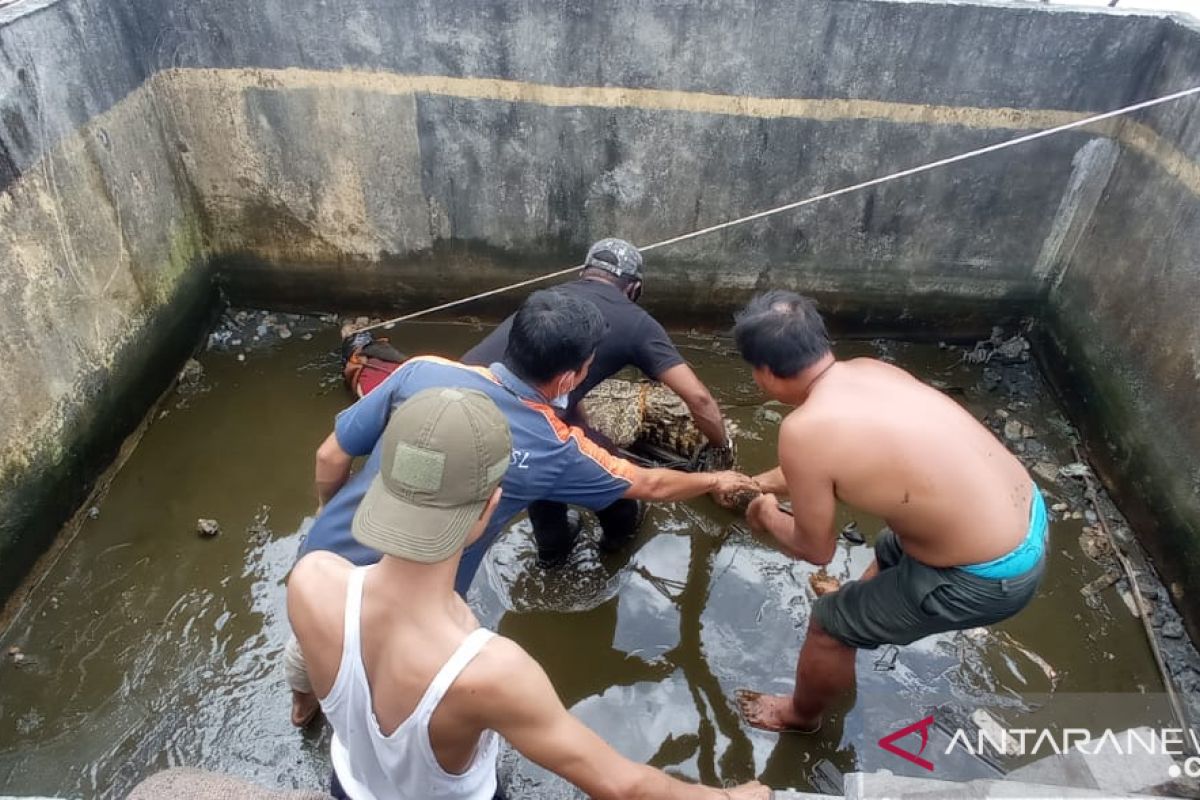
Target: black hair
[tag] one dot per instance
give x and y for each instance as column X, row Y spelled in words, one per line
column 782, row 331
column 552, row 333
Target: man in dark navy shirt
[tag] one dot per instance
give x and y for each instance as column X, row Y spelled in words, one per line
column 612, row 279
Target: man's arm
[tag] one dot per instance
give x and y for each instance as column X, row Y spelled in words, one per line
column 771, row 481
column 807, row 533
column 317, row 579
column 594, row 478
column 520, row 704
column 356, row 431
column 682, row 380
column 332, row 469
column 669, row 484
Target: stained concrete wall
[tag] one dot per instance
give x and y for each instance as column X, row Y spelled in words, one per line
column 373, row 154
column 99, row 247
column 1126, row 310
column 365, row 150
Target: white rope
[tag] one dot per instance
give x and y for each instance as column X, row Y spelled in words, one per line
column 817, row 198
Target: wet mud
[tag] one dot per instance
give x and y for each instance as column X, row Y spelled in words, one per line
column 148, row 645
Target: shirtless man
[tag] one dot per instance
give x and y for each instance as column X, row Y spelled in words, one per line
column 966, row 545
column 415, row 690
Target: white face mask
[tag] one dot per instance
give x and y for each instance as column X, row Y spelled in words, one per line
column 561, row 401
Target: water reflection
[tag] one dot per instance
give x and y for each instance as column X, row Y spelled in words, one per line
column 150, row 647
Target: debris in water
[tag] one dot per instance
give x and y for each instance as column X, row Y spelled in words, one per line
column 1147, row 585
column 218, row 339
column 1095, row 545
column 852, row 534
column 259, row 531
column 767, row 416
column 994, row 732
column 827, row 779
column 1047, row 471
column 284, row 332
column 241, row 356
column 1060, row 507
column 207, row 527
column 191, row 372
column 1014, row 350
column 886, row 660
column 1016, row 431
column 1075, row 469
column 1091, row 591
column 1042, row 664
column 1130, row 600
column 93, row 512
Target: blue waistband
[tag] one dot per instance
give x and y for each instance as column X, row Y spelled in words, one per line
column 1024, row 556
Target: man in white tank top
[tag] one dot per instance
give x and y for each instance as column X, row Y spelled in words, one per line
column 415, row 690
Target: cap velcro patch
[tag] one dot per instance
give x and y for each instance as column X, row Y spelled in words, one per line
column 418, row 469
column 496, row 471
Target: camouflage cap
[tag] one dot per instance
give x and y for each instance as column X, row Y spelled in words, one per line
column 616, row 256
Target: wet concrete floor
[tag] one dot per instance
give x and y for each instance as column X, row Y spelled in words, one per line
column 146, row 646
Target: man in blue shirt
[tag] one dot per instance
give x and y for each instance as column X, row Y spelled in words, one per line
column 550, row 349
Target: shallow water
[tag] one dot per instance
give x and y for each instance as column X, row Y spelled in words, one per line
column 147, row 646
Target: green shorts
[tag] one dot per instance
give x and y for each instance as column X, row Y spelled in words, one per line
column 909, row 600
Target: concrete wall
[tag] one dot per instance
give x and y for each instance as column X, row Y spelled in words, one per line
column 1126, row 311
column 511, row 134
column 368, row 154
column 100, row 245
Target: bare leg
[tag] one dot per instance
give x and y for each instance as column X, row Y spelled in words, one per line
column 824, row 671
column 304, row 708
column 304, row 700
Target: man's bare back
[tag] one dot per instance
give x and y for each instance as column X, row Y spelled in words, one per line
column 903, row 451
column 968, row 529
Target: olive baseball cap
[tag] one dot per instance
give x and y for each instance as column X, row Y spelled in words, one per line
column 444, row 452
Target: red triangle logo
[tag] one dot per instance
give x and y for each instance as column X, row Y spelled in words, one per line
column 922, row 727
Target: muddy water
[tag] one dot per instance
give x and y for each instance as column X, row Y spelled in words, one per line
column 147, row 646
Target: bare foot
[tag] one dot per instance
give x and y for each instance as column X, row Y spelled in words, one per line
column 773, row 712
column 304, row 708
column 822, row 583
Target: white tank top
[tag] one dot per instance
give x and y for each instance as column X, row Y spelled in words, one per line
column 371, row 766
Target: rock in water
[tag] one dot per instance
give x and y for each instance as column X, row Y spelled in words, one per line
column 852, row 534
column 192, row 372
column 207, row 527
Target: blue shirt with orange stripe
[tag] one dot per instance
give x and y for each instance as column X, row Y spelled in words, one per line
column 550, row 460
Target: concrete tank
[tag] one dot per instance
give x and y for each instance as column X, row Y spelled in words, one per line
column 368, row 155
